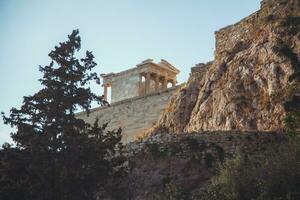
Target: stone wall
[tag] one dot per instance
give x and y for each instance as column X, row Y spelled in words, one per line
column 246, row 30
column 230, row 141
column 227, row 38
column 135, row 116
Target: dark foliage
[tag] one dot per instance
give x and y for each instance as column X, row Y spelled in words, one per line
column 292, row 119
column 271, row 175
column 292, row 24
column 58, row 156
column 285, row 51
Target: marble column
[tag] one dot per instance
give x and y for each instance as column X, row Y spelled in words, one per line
column 105, row 92
column 173, row 83
column 156, row 83
column 165, row 83
column 148, row 79
column 140, row 85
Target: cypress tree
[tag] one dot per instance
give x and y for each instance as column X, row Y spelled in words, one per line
column 57, row 155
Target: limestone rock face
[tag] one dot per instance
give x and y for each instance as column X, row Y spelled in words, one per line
column 179, row 110
column 254, row 59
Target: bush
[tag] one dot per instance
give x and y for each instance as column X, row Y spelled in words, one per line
column 286, row 51
column 272, row 175
column 171, row 192
column 193, row 144
column 155, row 150
column 220, row 153
column 291, row 22
column 208, row 160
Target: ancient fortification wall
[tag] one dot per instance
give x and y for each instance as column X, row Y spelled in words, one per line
column 245, row 31
column 226, row 38
column 134, row 116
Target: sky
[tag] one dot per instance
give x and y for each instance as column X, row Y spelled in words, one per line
column 120, row 33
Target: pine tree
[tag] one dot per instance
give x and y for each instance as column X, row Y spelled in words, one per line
column 66, row 158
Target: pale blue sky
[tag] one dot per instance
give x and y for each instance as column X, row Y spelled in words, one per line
column 121, row 33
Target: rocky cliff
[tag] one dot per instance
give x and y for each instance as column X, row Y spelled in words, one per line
column 255, row 59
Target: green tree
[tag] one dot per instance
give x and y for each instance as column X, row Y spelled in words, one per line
column 58, row 156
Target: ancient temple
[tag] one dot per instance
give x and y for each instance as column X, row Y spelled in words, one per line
column 146, row 78
column 138, row 96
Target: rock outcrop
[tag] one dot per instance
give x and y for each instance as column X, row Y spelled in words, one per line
column 254, row 60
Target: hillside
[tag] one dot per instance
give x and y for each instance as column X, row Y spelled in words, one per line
column 255, row 59
column 232, row 104
column 166, row 164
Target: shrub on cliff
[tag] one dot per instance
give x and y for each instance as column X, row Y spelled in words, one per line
column 58, row 156
column 272, row 175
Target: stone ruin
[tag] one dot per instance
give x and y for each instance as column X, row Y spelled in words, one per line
column 148, row 77
column 138, row 96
